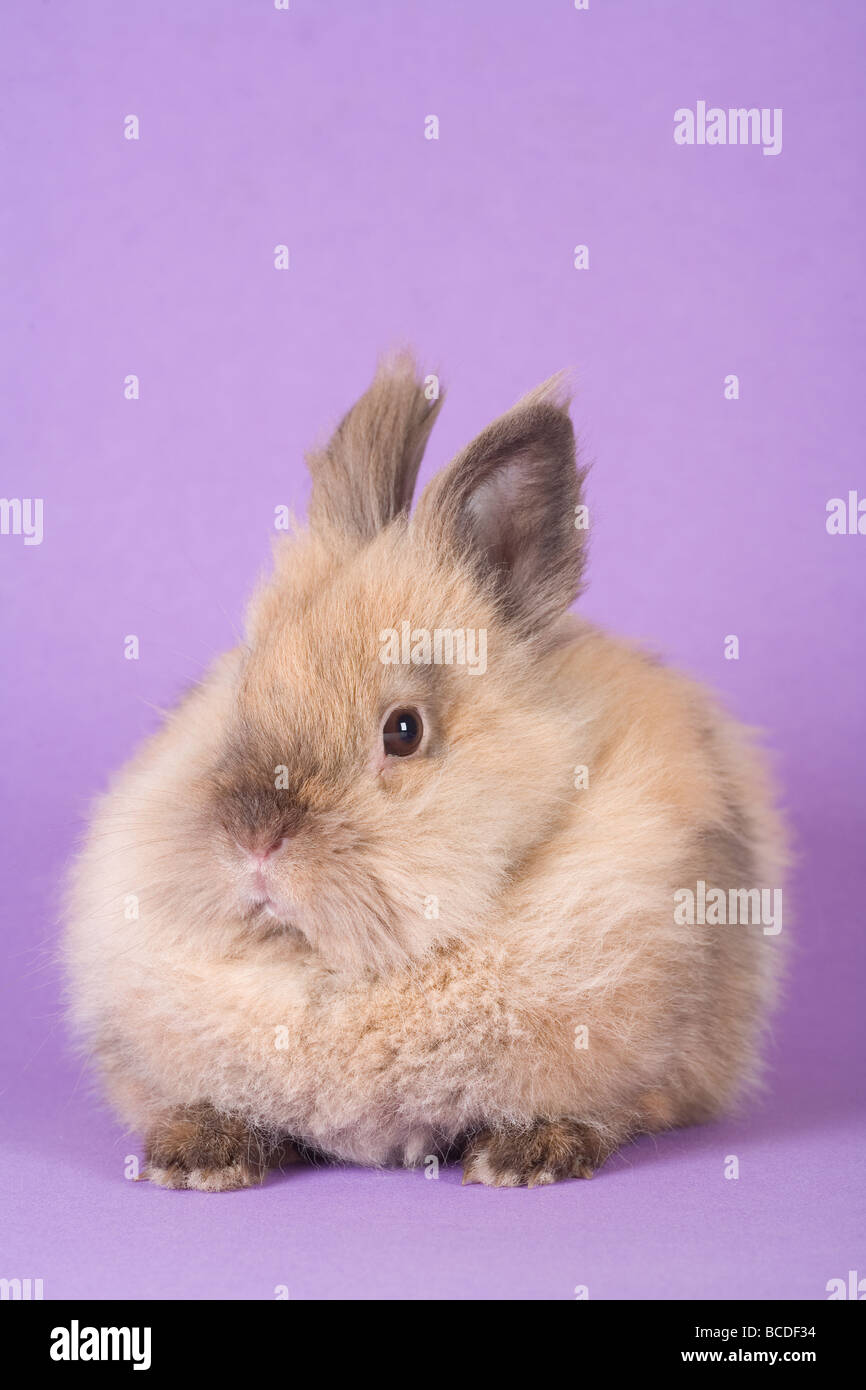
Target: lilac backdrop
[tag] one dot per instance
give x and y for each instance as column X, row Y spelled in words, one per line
column 155, row 257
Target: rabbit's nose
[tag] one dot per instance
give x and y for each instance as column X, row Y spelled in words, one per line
column 257, row 851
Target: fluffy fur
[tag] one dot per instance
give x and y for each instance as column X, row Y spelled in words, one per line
column 407, row 971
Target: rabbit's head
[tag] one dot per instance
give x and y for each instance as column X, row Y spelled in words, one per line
column 392, row 752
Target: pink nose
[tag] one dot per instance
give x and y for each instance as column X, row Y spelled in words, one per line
column 259, row 854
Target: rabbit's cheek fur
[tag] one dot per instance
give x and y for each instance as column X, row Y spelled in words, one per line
column 377, row 861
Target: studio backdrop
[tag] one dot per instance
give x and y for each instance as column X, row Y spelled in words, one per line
column 217, row 216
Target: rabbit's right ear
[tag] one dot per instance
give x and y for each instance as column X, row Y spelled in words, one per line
column 506, row 507
column 365, row 476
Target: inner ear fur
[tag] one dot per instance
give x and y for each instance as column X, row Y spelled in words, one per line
column 507, row 506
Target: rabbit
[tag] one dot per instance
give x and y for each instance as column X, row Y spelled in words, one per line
column 350, row 905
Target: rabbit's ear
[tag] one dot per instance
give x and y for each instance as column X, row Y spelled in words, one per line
column 508, row 505
column 365, row 475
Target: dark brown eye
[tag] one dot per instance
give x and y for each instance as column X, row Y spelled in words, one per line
column 403, row 732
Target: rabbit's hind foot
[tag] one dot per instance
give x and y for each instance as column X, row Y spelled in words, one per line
column 543, row 1152
column 195, row 1146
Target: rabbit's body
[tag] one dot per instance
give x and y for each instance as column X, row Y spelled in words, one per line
column 380, row 958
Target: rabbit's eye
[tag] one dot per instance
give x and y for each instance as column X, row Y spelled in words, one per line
column 403, row 732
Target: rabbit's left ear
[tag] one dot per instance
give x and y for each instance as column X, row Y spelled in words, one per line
column 365, row 476
column 507, row 506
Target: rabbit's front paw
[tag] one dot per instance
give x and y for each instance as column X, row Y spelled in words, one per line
column 197, row 1147
column 544, row 1152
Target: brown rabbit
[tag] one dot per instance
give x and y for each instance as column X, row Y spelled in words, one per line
column 395, row 896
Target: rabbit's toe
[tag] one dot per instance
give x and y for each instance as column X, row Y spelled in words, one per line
column 534, row 1156
column 197, row 1147
column 227, row 1179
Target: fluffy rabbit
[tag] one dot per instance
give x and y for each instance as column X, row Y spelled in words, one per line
column 382, row 911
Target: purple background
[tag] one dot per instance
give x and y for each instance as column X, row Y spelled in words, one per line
column 156, row 257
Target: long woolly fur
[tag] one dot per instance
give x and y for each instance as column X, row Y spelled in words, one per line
column 359, row 1022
